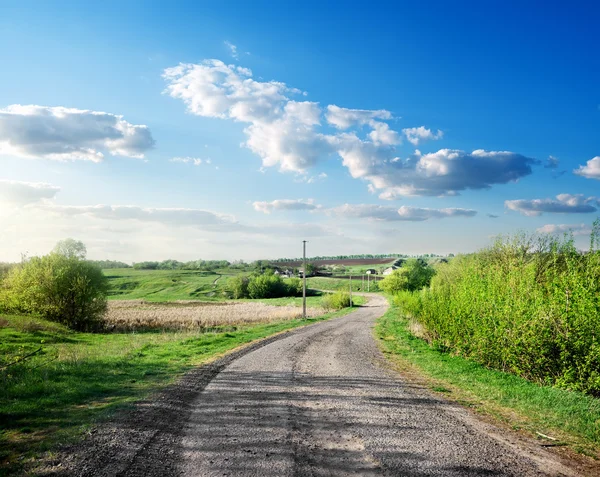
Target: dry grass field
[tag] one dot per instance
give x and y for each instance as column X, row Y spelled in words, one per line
column 190, row 315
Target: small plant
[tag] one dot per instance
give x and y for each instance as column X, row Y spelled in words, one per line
column 336, row 301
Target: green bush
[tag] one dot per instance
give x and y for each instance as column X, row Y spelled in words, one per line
column 64, row 289
column 294, row 287
column 238, row 287
column 336, row 301
column 267, row 285
column 530, row 306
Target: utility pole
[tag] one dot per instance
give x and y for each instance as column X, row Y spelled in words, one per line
column 350, row 290
column 304, row 279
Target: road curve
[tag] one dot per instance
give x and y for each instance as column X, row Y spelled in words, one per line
column 322, row 402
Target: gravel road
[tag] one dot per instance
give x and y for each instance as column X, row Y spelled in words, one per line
column 322, row 403
column 319, row 401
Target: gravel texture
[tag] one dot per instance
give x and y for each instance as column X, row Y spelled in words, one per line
column 317, row 401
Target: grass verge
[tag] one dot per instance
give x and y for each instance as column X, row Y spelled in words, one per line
column 73, row 379
column 572, row 418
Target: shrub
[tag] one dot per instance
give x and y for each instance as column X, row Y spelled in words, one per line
column 294, row 287
column 238, row 287
column 64, row 289
column 527, row 305
column 266, row 286
column 336, row 301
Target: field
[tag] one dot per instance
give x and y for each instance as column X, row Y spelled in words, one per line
column 165, row 285
column 323, row 283
column 191, row 315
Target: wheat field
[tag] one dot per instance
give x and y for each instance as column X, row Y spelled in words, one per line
column 188, row 315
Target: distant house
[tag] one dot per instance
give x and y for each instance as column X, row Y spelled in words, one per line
column 389, row 270
column 371, row 271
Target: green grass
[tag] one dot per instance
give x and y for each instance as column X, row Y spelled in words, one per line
column 572, row 417
column 170, row 285
column 361, row 269
column 165, row 285
column 79, row 378
column 323, row 283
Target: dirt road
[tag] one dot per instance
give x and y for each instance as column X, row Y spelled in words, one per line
column 319, row 401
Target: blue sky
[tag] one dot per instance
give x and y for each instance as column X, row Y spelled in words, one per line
column 371, row 129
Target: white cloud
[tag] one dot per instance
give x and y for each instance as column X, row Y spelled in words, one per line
column 232, row 49
column 23, row 193
column 344, row 118
column 575, row 229
column 285, row 204
column 287, row 134
column 281, row 131
column 290, row 141
column 416, row 135
column 196, row 161
column 61, row 134
column 444, row 172
column 591, row 170
column 391, row 214
column 563, row 204
column 382, row 135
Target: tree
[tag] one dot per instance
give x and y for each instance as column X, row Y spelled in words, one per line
column 311, row 269
column 414, row 275
column 64, row 289
column 71, row 248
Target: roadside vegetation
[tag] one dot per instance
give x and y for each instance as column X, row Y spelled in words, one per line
column 526, row 305
column 55, row 382
column 557, row 417
column 511, row 330
column 72, row 351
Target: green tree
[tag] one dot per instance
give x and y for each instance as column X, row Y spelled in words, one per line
column 59, row 288
column 414, row 275
column 71, row 248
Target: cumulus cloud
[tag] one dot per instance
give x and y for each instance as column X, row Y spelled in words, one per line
column 591, row 170
column 288, row 134
column 392, row 214
column 23, row 193
column 492, row 216
column 416, row 135
column 444, row 172
column 563, row 204
column 285, row 204
column 62, row 134
column 344, row 118
column 281, row 131
column 575, row 229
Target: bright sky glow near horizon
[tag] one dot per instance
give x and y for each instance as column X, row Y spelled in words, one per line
column 235, row 130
